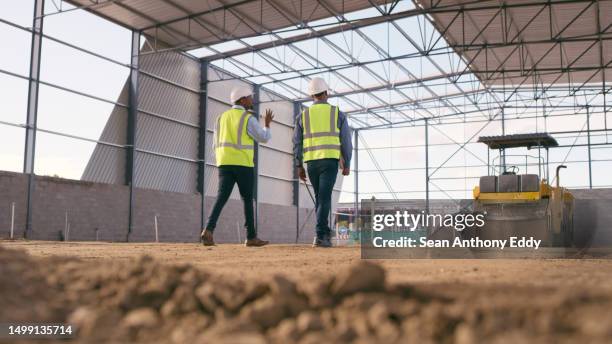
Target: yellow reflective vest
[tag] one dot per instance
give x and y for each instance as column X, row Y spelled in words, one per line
column 321, row 133
column 233, row 145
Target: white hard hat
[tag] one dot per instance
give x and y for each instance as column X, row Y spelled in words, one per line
column 239, row 92
column 316, row 86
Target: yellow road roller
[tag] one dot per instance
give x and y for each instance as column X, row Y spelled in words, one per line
column 523, row 205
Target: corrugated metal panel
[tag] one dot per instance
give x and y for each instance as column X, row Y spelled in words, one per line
column 156, row 134
column 274, row 191
column 107, row 164
column 165, row 137
column 220, row 90
column 216, row 22
column 275, row 163
column 165, row 99
column 161, row 173
column 283, row 109
column 174, row 67
column 569, row 20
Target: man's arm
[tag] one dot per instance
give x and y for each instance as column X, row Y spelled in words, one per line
column 256, row 132
column 346, row 143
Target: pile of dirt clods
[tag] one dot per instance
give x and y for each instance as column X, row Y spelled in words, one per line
column 144, row 300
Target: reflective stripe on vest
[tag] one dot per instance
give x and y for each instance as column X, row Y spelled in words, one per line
column 234, row 146
column 321, row 134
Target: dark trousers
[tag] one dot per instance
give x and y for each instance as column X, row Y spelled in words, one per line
column 228, row 176
column 322, row 174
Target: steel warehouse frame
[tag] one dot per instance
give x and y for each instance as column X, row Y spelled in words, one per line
column 507, row 60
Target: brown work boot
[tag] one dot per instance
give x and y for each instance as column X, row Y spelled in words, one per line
column 256, row 242
column 207, row 238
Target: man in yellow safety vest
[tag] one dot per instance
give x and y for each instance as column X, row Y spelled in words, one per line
column 321, row 139
column 235, row 132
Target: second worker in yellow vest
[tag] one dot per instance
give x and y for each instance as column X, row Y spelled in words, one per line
column 322, row 140
column 236, row 131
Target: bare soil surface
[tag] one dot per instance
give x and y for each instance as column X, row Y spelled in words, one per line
column 176, row 293
column 303, row 262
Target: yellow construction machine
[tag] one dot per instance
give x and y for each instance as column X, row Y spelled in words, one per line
column 523, row 205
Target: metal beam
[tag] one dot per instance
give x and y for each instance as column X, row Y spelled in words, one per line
column 130, row 167
column 202, row 140
column 190, row 16
column 389, row 86
column 356, row 180
column 32, row 110
column 296, row 183
column 588, row 123
column 426, row 166
column 256, row 99
column 346, row 26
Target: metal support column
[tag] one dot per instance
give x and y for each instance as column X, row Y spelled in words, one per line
column 32, row 110
column 488, row 162
column 356, row 180
column 296, row 177
column 256, row 158
column 539, row 162
column 502, row 158
column 589, row 147
column 130, row 167
column 547, row 166
column 202, row 140
column 426, row 166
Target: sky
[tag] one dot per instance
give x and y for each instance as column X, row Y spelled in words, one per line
column 76, row 115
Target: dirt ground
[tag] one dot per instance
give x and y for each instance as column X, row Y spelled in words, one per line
column 304, row 262
column 177, row 293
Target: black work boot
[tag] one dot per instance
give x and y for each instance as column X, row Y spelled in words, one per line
column 322, row 241
column 207, row 238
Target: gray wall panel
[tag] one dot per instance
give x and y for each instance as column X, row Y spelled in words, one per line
column 164, row 99
column 214, row 109
column 172, row 66
column 220, row 89
column 275, row 163
column 282, row 138
column 283, row 109
column 153, row 133
column 165, row 174
column 275, row 191
column 109, row 165
column 165, row 137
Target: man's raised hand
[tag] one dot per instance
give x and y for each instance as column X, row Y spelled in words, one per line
column 268, row 117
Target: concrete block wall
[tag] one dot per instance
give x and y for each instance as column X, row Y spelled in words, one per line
column 13, row 188
column 89, row 206
column 178, row 216
column 105, row 208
